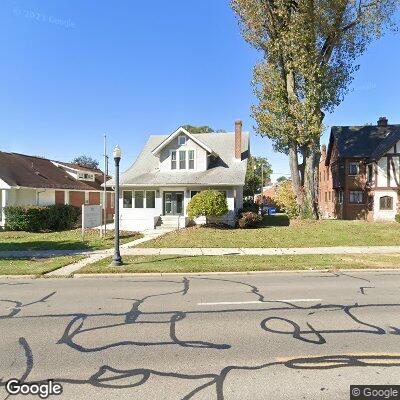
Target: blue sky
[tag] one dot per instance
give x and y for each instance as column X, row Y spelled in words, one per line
column 72, row 70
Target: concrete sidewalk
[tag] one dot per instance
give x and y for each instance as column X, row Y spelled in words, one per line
column 262, row 251
column 130, row 249
column 100, row 254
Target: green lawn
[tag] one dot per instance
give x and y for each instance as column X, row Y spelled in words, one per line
column 64, row 240
column 34, row 266
column 142, row 264
column 277, row 232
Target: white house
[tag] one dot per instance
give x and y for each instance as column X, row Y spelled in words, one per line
column 171, row 169
column 27, row 180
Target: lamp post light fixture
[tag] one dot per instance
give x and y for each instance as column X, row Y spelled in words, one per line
column 117, row 260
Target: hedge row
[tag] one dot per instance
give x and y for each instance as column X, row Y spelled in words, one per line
column 35, row 218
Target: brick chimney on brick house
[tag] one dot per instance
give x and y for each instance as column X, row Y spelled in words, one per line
column 238, row 139
column 383, row 121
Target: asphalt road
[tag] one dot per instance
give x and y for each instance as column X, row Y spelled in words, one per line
column 263, row 336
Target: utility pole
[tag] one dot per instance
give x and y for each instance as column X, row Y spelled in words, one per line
column 105, row 187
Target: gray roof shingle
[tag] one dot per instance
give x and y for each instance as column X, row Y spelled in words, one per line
column 224, row 170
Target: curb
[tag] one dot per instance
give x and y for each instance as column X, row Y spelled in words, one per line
column 20, row 276
column 131, row 274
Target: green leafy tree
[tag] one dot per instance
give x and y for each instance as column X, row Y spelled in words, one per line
column 282, row 179
column 201, row 129
column 285, row 198
column 86, row 161
column 208, row 203
column 309, row 50
column 253, row 175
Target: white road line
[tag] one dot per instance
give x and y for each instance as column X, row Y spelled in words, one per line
column 258, row 302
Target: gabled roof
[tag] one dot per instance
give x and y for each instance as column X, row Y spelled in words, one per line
column 370, row 141
column 20, row 170
column 178, row 132
column 224, row 169
column 78, row 167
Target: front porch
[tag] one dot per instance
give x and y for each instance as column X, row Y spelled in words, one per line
column 144, row 208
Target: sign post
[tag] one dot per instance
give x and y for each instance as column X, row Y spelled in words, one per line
column 91, row 217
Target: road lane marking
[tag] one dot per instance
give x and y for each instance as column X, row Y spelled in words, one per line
column 220, row 303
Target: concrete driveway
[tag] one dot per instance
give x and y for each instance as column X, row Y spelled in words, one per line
column 262, row 336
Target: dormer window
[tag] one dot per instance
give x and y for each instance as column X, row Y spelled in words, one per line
column 84, row 176
column 181, row 140
column 191, row 159
column 173, row 159
column 182, row 159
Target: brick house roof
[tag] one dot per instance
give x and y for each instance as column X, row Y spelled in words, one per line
column 370, row 141
column 19, row 170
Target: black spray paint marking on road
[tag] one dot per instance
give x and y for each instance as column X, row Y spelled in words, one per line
column 108, row 376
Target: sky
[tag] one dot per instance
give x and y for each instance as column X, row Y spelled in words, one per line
column 72, row 71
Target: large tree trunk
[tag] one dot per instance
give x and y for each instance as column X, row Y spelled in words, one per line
column 310, row 207
column 294, row 171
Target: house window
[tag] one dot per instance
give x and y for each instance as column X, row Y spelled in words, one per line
column 126, row 199
column 85, row 176
column 354, row 168
column 139, row 198
column 329, row 196
column 191, row 159
column 181, row 140
column 150, row 199
column 86, row 197
column 356, row 197
column 182, row 159
column 193, row 193
column 173, row 159
column 386, row 203
column 326, row 197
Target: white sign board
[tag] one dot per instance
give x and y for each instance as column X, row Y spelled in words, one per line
column 91, row 216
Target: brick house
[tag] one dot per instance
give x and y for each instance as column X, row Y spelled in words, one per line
column 29, row 180
column 360, row 172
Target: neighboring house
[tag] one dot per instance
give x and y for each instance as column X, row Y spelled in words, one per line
column 28, row 180
column 364, row 163
column 171, row 169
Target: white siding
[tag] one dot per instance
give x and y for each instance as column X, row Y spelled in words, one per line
column 382, row 172
column 139, row 219
column 46, row 197
column 200, row 156
column 395, row 172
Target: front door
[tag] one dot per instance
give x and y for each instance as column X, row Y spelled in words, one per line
column 173, row 203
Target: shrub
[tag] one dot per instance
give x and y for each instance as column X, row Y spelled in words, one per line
column 397, row 218
column 208, row 203
column 250, row 206
column 36, row 218
column 249, row 220
column 286, row 199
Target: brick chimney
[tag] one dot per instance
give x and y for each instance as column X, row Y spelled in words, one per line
column 383, row 121
column 238, row 139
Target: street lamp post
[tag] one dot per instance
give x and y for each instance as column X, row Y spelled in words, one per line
column 117, row 260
